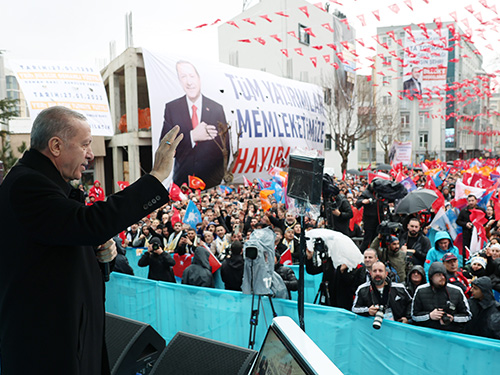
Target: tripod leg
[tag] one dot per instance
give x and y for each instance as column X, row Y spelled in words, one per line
column 254, row 321
column 272, row 306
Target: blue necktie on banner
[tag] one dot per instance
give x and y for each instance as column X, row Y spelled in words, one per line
column 192, row 215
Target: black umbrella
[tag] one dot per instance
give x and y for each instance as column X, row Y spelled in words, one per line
column 416, row 201
column 383, row 167
column 389, row 190
column 354, row 172
column 364, row 173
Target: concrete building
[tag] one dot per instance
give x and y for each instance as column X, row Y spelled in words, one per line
column 432, row 126
column 293, row 46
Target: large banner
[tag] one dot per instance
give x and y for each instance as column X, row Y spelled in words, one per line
column 425, row 61
column 272, row 115
column 400, row 152
column 70, row 84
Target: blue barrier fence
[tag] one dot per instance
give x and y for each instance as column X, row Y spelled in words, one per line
column 347, row 339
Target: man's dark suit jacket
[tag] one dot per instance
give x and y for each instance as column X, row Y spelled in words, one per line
column 51, row 285
column 412, row 88
column 205, row 160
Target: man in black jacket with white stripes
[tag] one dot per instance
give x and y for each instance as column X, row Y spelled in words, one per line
column 380, row 293
column 438, row 304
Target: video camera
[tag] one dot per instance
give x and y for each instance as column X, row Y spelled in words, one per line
column 321, row 249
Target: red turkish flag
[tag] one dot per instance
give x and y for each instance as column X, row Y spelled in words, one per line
column 176, row 193
column 286, row 258
column 181, row 263
column 123, row 184
column 176, row 217
column 214, row 262
column 196, row 183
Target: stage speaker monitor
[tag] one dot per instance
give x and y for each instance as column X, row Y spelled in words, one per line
column 305, row 178
column 188, row 354
column 133, row 347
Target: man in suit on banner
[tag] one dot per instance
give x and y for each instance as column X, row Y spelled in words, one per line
column 200, row 152
column 412, row 86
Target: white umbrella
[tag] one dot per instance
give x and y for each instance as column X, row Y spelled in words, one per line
column 341, row 248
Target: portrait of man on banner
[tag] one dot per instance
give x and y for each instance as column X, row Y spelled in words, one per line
column 200, row 153
column 412, row 86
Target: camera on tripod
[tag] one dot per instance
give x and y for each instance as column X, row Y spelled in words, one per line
column 389, row 228
column 320, row 248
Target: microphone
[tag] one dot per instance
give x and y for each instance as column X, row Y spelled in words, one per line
column 106, row 271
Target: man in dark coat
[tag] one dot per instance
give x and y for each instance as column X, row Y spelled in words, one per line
column 464, row 221
column 51, row 285
column 199, row 273
column 485, row 310
column 160, row 262
column 231, row 270
column 199, row 153
column 414, row 243
column 342, row 214
column 438, row 304
column 287, row 274
column 373, row 214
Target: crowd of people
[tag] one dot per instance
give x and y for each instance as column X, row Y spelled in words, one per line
column 404, row 275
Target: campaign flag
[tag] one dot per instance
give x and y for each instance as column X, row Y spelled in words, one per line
column 214, row 262
column 225, row 189
column 441, row 222
column 357, row 217
column 176, row 193
column 278, row 191
column 463, row 191
column 176, row 217
column 480, row 181
column 372, row 176
column 123, row 184
column 286, row 258
column 247, row 182
column 263, row 184
column 409, row 184
column 192, row 215
column 181, row 263
column 452, row 217
column 264, row 199
column 196, row 183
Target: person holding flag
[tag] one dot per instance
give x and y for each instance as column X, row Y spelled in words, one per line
column 466, row 223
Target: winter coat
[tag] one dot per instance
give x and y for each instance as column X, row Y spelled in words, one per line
column 231, row 272
column 436, row 253
column 52, row 292
column 462, row 220
column 199, row 273
column 427, row 298
column 160, row 266
column 485, row 313
column 421, row 247
column 341, row 222
column 495, row 276
column 288, row 277
column 398, row 299
column 397, row 259
column 410, row 287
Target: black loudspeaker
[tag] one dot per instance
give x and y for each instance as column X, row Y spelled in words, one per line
column 188, row 354
column 133, row 347
column 305, row 178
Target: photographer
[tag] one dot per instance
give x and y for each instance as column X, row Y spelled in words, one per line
column 389, row 253
column 381, row 294
column 373, row 215
column 335, row 207
column 160, row 262
column 338, row 284
column 438, row 304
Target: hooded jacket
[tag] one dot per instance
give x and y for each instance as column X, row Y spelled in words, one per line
column 97, row 192
column 231, row 272
column 410, row 287
column 436, row 253
column 428, row 297
column 199, row 273
column 485, row 313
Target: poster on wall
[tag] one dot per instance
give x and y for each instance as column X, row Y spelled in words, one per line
column 425, row 61
column 267, row 117
column 74, row 85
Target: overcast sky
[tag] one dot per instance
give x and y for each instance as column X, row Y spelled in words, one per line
column 82, row 30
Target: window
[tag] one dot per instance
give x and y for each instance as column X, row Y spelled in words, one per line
column 233, row 59
column 405, row 120
column 423, row 119
column 303, row 35
column 387, row 81
column 405, row 136
column 387, row 121
column 423, row 140
column 328, row 142
column 387, row 100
